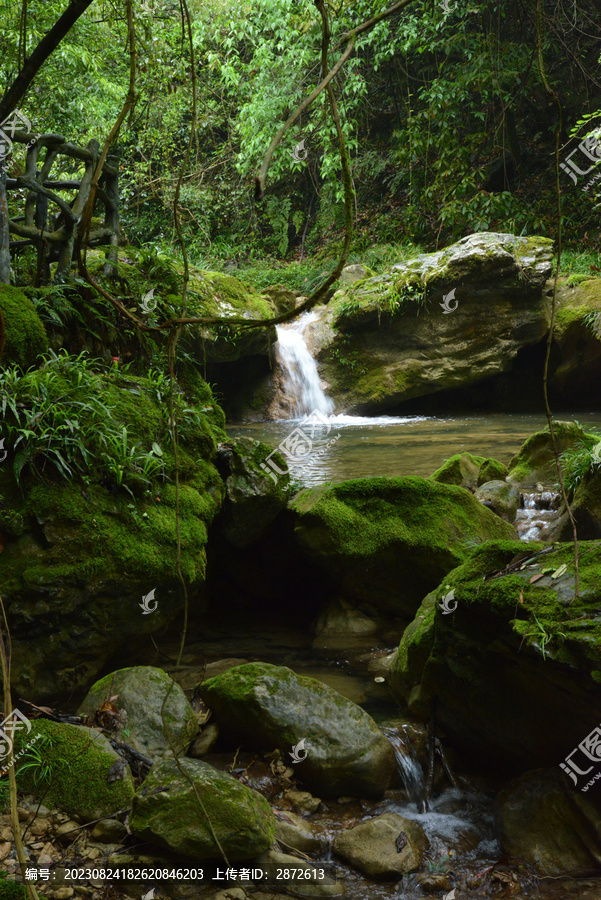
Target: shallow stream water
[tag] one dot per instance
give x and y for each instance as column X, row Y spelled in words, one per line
column 357, row 447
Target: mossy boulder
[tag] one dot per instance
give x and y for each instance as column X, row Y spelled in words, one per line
column 576, row 362
column 386, row 340
column 25, row 337
column 515, row 670
column 586, row 509
column 501, row 497
column 535, row 461
column 86, row 777
column 269, row 706
column 492, row 470
column 391, row 540
column 469, row 470
column 543, row 821
column 156, row 718
column 80, row 554
column 181, row 811
column 254, row 496
column 461, row 468
column 282, row 298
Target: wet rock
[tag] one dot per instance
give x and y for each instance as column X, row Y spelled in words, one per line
column 90, row 780
column 431, row 884
column 389, row 541
column 166, row 812
column 269, row 706
column 518, row 644
column 501, row 497
column 341, row 617
column 586, row 509
column 384, row 848
column 297, row 887
column 551, row 825
column 302, row 801
column 254, row 497
column 156, row 728
column 296, row 833
column 204, row 742
column 492, row 470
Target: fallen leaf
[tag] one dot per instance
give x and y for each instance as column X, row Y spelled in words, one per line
column 536, row 577
column 521, row 600
column 559, row 572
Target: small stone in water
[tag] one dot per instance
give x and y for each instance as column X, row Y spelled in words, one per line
column 401, row 841
column 379, row 679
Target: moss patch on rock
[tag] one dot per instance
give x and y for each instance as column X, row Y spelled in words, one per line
column 390, row 540
column 535, row 461
column 86, row 777
column 25, row 337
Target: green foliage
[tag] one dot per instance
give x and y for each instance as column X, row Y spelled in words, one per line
column 581, row 461
column 539, row 635
column 62, row 420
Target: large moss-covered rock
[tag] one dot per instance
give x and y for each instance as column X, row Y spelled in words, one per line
column 182, row 811
column 586, row 509
column 386, row 339
column 85, row 776
column 157, row 719
column 391, row 540
column 80, row 555
column 24, row 334
column 373, row 846
column 270, row 706
column 254, row 496
column 535, row 460
column 553, row 827
column 515, row 670
column 576, row 371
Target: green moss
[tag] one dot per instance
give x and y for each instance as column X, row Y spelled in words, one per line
column 535, row 461
column 25, row 335
column 492, row 470
column 11, row 890
column 80, row 781
column 461, row 468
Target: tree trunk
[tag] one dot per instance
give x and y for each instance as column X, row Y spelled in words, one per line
column 4, row 235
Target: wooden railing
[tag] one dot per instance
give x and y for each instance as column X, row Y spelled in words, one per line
column 53, row 233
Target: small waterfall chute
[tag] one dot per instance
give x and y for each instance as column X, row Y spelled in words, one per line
column 301, row 382
column 408, row 765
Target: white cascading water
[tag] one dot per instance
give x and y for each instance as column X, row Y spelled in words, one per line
column 302, row 384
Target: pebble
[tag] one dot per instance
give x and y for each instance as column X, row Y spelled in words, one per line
column 63, row 893
column 5, row 849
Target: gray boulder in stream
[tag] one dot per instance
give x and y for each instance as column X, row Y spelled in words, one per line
column 156, row 728
column 384, row 340
column 385, row 847
column 269, row 706
column 181, row 810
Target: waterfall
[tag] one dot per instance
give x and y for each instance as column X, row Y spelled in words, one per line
column 538, row 510
column 301, row 382
column 409, row 768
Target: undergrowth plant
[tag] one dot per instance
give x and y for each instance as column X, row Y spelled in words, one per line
column 581, row 461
